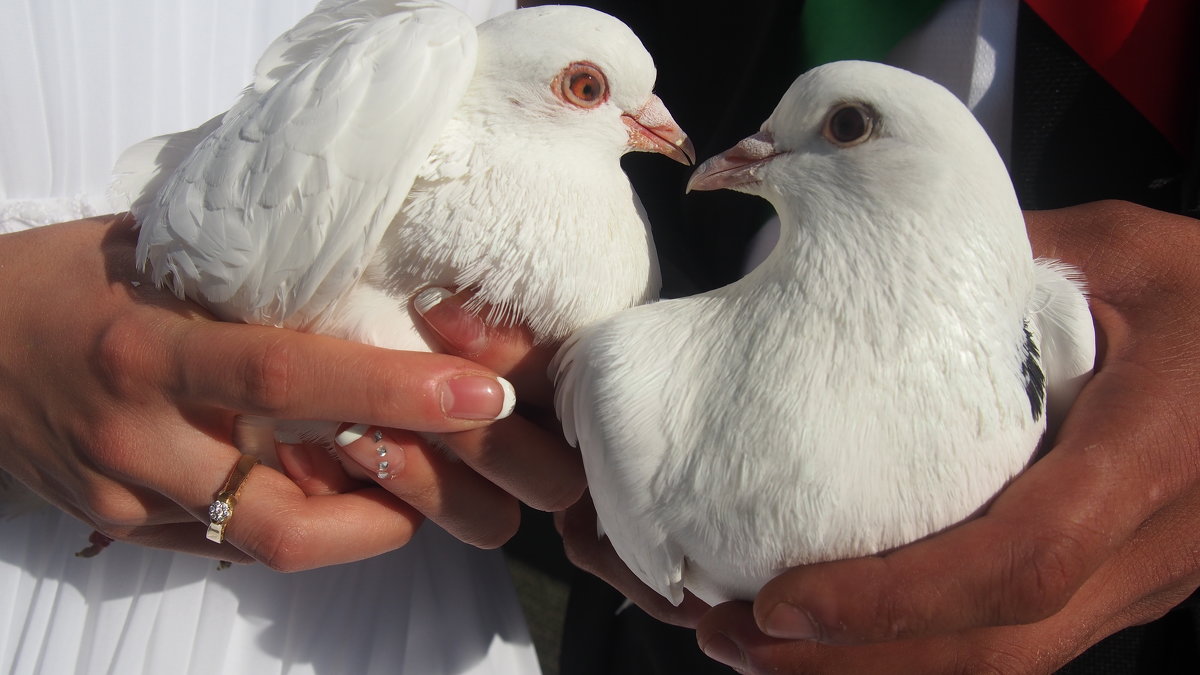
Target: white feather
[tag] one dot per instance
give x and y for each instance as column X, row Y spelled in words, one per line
column 274, row 215
column 1066, row 334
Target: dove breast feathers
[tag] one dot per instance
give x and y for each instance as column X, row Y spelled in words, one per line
column 878, row 378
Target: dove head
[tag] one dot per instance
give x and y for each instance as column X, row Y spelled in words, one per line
column 869, row 139
column 568, row 77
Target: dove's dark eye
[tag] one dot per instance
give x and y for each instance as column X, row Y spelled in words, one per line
column 849, row 124
column 583, row 84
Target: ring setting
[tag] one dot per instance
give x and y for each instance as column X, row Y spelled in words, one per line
column 220, row 511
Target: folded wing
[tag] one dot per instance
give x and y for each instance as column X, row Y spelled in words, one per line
column 270, row 212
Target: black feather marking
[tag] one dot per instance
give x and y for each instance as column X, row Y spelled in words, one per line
column 1035, row 379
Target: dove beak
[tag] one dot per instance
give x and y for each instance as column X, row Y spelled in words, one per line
column 652, row 129
column 737, row 166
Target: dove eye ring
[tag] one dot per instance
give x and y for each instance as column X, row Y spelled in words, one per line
column 582, row 84
column 849, row 124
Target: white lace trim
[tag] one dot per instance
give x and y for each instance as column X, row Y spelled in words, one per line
column 22, row 214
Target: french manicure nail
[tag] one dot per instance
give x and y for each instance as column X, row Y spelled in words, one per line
column 476, row 397
column 429, row 298
column 383, row 457
column 351, row 434
column 788, row 622
column 460, row 330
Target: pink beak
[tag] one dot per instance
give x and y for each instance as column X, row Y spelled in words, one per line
column 652, row 129
column 736, row 166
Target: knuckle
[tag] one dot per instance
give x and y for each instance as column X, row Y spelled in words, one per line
column 115, row 511
column 132, row 535
column 119, row 354
column 1045, row 576
column 579, row 548
column 267, row 376
column 559, row 495
column 284, row 549
column 1000, row 659
column 501, row 530
column 581, row 554
column 893, row 615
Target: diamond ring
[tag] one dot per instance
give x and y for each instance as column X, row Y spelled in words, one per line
column 221, row 510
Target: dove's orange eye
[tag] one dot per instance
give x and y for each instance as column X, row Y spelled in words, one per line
column 849, row 124
column 583, row 84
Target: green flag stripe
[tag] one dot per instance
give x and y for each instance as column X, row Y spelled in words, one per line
column 835, row 30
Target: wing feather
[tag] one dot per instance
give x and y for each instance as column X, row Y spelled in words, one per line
column 1067, row 334
column 275, row 210
column 589, row 381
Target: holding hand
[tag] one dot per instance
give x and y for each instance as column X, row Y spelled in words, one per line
column 472, row 483
column 119, row 400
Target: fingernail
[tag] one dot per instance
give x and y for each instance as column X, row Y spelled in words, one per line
column 351, row 434
column 429, row 298
column 476, row 397
column 460, row 330
column 383, row 457
column 720, row 648
column 788, row 622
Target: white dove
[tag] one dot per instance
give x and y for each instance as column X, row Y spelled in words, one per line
column 881, row 375
column 389, row 145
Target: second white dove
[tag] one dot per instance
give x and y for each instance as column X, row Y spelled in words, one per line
column 878, row 378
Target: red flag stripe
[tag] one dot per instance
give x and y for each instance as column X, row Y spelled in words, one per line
column 1148, row 50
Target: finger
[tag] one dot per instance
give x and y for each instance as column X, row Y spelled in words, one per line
column 445, row 490
column 1119, row 595
column 595, row 554
column 727, row 634
column 1122, row 248
column 315, row 470
column 116, row 506
column 277, row 524
column 283, row 374
column 508, row 350
column 121, row 481
column 184, row 538
column 126, row 512
column 1154, row 572
column 138, row 530
column 530, row 463
column 108, row 505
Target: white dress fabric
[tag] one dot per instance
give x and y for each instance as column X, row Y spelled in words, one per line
column 82, row 81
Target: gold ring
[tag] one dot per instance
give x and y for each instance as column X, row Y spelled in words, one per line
column 221, row 510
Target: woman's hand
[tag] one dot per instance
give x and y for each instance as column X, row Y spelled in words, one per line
column 117, row 404
column 470, row 482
